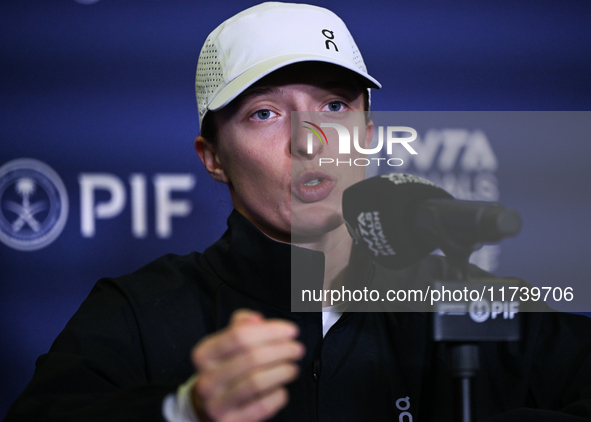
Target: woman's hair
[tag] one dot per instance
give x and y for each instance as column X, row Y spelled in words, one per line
column 209, row 130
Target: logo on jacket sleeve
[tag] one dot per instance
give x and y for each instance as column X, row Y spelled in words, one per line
column 33, row 204
column 403, row 404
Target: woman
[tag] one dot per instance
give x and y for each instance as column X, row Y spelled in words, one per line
column 256, row 155
column 276, row 183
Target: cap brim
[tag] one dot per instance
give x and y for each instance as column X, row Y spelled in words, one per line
column 260, row 70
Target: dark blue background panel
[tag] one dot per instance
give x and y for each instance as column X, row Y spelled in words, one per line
column 103, row 90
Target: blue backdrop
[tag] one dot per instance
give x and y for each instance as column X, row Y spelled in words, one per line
column 102, row 93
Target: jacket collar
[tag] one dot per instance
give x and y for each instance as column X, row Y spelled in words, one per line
column 252, row 263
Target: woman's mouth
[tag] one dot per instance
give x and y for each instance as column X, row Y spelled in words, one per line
column 312, row 186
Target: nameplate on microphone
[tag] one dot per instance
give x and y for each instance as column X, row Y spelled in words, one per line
column 478, row 310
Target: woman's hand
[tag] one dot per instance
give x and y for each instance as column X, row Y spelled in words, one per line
column 244, row 368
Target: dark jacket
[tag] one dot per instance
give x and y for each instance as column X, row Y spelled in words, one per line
column 128, row 346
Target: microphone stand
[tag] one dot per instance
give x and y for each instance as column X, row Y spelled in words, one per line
column 464, row 356
column 463, row 335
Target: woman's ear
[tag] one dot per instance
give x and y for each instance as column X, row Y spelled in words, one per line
column 208, row 155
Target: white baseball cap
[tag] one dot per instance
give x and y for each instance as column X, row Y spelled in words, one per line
column 267, row 37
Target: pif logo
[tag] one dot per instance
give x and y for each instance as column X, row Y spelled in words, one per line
column 480, row 311
column 33, row 204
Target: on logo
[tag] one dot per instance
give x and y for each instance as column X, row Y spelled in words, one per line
column 330, row 37
column 33, row 204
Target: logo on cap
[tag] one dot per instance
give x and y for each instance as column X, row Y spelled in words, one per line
column 330, row 35
column 33, row 204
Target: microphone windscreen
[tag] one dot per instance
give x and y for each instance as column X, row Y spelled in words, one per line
column 380, row 213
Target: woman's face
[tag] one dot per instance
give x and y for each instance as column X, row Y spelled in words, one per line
column 274, row 179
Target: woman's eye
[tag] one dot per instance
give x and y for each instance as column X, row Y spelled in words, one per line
column 335, row 106
column 263, row 114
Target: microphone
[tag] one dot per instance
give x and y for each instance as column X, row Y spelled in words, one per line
column 401, row 218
